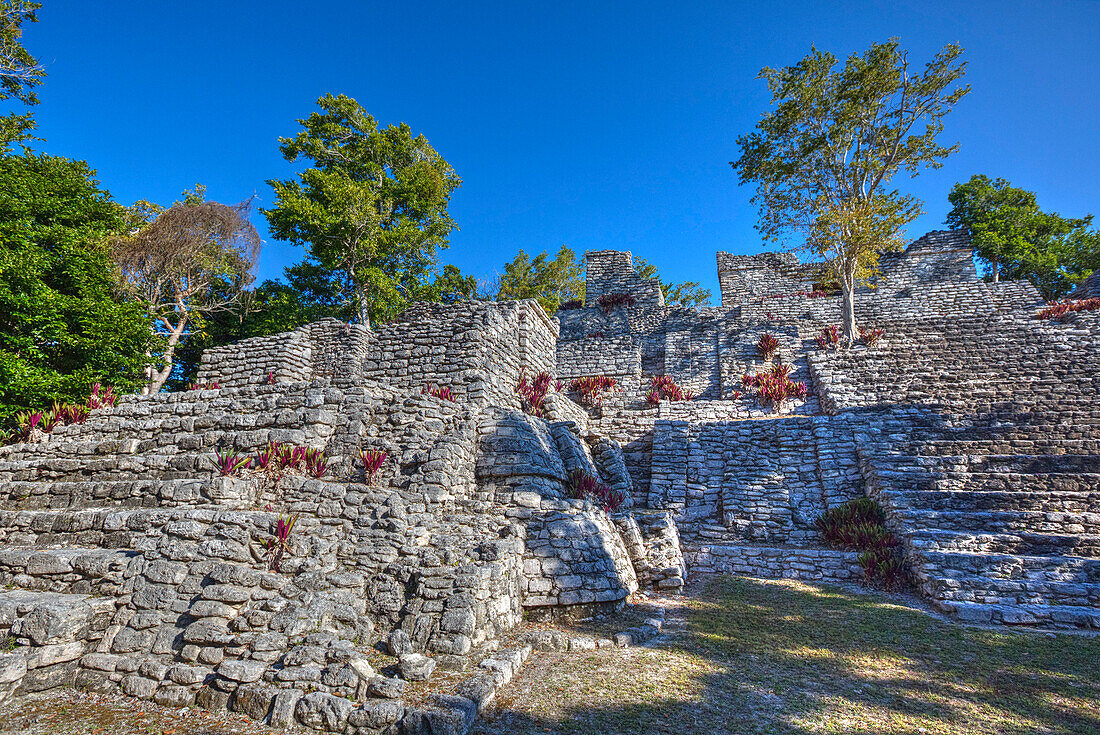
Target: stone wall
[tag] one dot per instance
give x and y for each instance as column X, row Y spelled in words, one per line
column 612, row 271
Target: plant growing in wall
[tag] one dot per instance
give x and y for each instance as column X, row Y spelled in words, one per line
column 270, row 380
column 610, row 301
column 267, row 458
column 372, row 461
column 592, row 388
column 1062, row 309
column 860, row 525
column 663, row 387
column 534, row 393
column 278, row 545
column 212, row 385
column 316, row 463
column 582, row 486
column 767, row 346
column 290, row 457
column 570, row 305
column 829, row 337
column 870, row 336
column 230, row 462
column 443, row 392
column 774, row 387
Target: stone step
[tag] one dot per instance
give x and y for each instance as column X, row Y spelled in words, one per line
column 1012, row 592
column 959, row 500
column 1069, row 569
column 1024, row 543
column 995, row 463
column 817, row 564
column 1067, row 616
column 68, row 570
column 1043, row 482
column 1003, row 521
column 148, row 492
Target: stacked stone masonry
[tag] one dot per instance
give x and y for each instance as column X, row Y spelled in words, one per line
column 129, row 564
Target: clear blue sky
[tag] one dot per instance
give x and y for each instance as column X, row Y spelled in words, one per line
column 593, row 124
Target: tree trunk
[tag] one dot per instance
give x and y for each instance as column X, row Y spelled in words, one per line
column 157, row 378
column 996, row 271
column 364, row 307
column 848, row 306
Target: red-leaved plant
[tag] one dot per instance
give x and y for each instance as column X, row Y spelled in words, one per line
column 212, row 385
column 610, row 301
column 664, row 387
column 534, row 393
column 829, row 337
column 279, row 543
column 316, row 463
column 860, row 525
column 775, row 386
column 767, row 346
column 443, row 392
column 580, row 485
column 1060, row 309
column 230, row 462
column 270, row 378
column 372, row 462
column 870, row 336
column 592, row 388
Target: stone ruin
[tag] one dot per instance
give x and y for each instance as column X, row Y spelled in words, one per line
column 130, row 564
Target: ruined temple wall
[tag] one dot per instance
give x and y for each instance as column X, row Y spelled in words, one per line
column 743, row 278
column 612, row 271
column 287, row 356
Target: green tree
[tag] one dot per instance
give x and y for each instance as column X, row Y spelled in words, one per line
column 192, row 260
column 823, row 159
column 62, row 323
column 1017, row 239
column 688, row 293
column 20, row 72
column 551, row 281
column 372, row 207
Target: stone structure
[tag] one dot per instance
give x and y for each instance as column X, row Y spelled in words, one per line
column 131, row 564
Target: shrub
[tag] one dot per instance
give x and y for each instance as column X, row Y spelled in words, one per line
column 611, row 301
column 775, row 386
column 534, row 393
column 664, row 387
column 279, row 543
column 443, row 392
column 767, row 346
column 829, row 337
column 1061, row 309
column 860, row 525
column 580, row 486
column 570, row 305
column 592, row 388
column 316, row 463
column 229, row 462
column 372, row 462
column 870, row 336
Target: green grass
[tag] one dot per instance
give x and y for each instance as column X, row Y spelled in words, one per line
column 785, row 657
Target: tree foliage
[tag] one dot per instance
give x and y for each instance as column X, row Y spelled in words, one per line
column 550, row 280
column 824, row 157
column 194, row 259
column 689, row 293
column 1018, row 240
column 20, row 72
column 372, row 208
column 63, row 326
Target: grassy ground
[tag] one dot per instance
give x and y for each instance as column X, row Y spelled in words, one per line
column 783, row 657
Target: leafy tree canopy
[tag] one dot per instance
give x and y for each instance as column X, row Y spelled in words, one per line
column 824, row 157
column 688, row 293
column 1017, row 239
column 372, row 208
column 550, row 280
column 62, row 323
column 20, row 72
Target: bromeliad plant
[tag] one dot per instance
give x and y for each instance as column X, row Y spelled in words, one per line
column 592, row 388
column 270, row 380
column 372, row 460
column 767, row 346
column 774, row 387
column 290, row 457
column 534, row 393
column 663, row 387
column 611, row 301
column 570, row 305
column 443, row 392
column 230, row 462
column 212, row 385
column 829, row 337
column 1061, row 309
column 581, row 486
column 316, row 463
column 279, row 544
column 860, row 525
column 870, row 336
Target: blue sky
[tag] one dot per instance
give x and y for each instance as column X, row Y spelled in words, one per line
column 595, row 125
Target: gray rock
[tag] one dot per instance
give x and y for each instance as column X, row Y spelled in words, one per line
column 415, row 666
column 322, row 711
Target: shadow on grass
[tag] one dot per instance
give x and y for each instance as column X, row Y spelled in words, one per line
column 784, row 657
